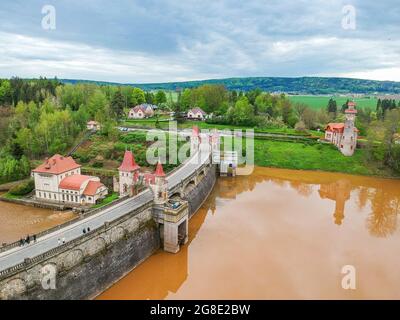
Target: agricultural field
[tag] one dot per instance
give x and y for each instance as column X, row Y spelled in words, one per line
column 318, row 102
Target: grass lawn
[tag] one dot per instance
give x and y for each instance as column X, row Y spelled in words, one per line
column 301, row 156
column 318, row 102
column 110, row 198
column 11, row 196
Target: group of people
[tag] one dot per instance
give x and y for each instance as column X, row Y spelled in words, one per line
column 27, row 240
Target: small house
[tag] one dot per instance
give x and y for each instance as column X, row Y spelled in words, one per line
column 196, row 114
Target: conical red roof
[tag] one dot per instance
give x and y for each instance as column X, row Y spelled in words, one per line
column 159, row 170
column 128, row 164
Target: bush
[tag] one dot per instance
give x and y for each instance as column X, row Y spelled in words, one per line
column 23, row 188
column 97, row 164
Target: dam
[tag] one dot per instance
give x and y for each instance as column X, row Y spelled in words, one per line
column 82, row 257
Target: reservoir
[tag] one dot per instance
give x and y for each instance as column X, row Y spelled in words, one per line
column 18, row 221
column 281, row 234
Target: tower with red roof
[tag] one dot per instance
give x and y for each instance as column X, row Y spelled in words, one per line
column 128, row 173
column 160, row 186
column 195, row 140
column 349, row 139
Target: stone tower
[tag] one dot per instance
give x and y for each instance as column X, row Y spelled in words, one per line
column 160, row 186
column 215, row 146
column 128, row 174
column 194, row 140
column 349, row 139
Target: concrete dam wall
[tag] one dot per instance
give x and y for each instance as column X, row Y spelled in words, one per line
column 90, row 264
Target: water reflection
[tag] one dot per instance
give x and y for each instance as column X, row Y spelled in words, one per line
column 381, row 196
column 284, row 210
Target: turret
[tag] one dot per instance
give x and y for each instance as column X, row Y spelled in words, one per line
column 160, row 187
column 194, row 140
column 349, row 139
column 128, row 173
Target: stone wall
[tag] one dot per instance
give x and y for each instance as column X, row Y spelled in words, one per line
column 87, row 267
column 199, row 194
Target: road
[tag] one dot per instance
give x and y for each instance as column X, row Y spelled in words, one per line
column 52, row 240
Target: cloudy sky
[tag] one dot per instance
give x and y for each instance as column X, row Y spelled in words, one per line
column 175, row 40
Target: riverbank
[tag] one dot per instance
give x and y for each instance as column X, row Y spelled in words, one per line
column 319, row 157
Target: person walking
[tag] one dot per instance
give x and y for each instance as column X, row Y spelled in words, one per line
column 34, row 238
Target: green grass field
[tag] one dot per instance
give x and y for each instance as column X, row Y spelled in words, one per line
column 318, row 102
column 290, row 155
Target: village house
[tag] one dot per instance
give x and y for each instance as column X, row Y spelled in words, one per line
column 93, row 125
column 141, row 111
column 344, row 135
column 196, row 113
column 59, row 179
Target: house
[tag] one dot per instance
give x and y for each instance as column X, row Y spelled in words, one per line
column 93, row 125
column 344, row 135
column 59, row 179
column 141, row 111
column 196, row 113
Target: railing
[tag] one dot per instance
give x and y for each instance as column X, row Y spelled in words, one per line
column 51, row 252
column 65, row 224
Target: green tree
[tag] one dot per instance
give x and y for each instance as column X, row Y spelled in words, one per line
column 118, row 104
column 161, row 97
column 137, row 97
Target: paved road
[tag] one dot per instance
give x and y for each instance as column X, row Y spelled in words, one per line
column 50, row 241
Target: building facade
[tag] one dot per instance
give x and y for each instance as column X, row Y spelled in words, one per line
column 141, row 111
column 59, row 179
column 196, row 113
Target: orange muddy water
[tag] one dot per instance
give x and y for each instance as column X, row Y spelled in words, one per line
column 17, row 221
column 281, row 234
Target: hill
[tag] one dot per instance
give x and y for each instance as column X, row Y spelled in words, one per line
column 303, row 85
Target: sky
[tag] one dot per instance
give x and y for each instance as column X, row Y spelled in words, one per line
column 130, row 41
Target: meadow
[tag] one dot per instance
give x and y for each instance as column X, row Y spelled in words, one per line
column 318, row 102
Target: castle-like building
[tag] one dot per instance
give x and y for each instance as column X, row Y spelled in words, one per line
column 344, row 135
column 130, row 178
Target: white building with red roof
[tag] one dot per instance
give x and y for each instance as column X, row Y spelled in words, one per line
column 141, row 111
column 344, row 135
column 59, row 179
column 196, row 114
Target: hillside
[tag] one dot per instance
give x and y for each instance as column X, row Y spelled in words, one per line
column 304, row 85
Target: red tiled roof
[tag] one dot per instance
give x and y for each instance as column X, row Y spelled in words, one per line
column 338, row 127
column 351, row 103
column 128, row 164
column 92, row 187
column 73, row 182
column 198, row 110
column 57, row 164
column 350, row 111
column 159, row 170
